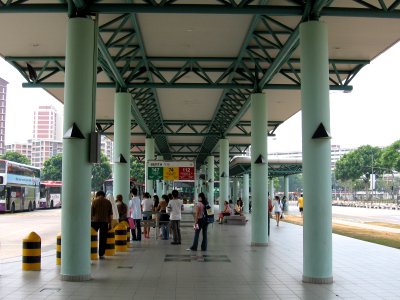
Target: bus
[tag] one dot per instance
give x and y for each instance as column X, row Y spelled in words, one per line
column 50, row 194
column 108, row 187
column 19, row 186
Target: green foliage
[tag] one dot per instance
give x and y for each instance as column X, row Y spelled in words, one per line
column 100, row 172
column 358, row 163
column 296, row 183
column 52, row 168
column 16, row 157
column 137, row 169
column 390, row 158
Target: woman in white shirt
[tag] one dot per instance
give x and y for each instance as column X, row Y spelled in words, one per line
column 147, row 208
column 278, row 209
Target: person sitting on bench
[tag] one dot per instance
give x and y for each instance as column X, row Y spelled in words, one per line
column 226, row 212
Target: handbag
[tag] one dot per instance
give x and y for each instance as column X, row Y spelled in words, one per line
column 131, row 223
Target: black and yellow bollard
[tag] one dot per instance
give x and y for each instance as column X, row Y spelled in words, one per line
column 93, row 244
column 31, row 252
column 58, row 250
column 120, row 238
column 128, row 233
column 110, row 246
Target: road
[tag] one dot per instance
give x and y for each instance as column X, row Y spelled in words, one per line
column 47, row 224
column 15, row 227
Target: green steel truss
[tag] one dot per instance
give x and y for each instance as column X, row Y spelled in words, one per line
column 274, row 170
column 267, row 52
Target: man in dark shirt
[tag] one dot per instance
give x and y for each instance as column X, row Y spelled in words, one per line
column 101, row 219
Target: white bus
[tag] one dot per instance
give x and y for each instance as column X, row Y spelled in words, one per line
column 19, row 186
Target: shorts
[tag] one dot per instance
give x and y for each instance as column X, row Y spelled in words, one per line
column 146, row 218
column 301, row 209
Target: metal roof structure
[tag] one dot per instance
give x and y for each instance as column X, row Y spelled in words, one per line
column 191, row 65
column 277, row 167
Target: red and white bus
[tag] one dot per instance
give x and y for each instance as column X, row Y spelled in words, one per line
column 19, row 186
column 50, row 194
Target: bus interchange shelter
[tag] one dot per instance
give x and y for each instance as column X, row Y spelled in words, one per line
column 240, row 166
column 195, row 80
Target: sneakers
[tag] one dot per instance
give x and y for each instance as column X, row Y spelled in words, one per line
column 190, row 249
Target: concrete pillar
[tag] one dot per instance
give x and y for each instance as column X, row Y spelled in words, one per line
column 160, row 182
column 196, row 185
column 149, row 155
column 210, row 180
column 271, row 189
column 223, row 172
column 122, row 144
column 259, row 170
column 203, row 187
column 317, row 237
column 246, row 193
column 235, row 189
column 80, row 82
column 286, row 191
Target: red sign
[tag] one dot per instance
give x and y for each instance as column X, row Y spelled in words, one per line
column 186, row 173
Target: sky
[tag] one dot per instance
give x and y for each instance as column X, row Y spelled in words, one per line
column 367, row 115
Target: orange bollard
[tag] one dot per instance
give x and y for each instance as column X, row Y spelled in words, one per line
column 31, row 252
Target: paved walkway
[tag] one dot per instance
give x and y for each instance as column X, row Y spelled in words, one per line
column 230, row 269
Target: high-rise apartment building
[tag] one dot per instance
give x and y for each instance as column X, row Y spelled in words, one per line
column 46, row 124
column 3, row 99
column 23, row 148
column 42, row 150
column 107, row 147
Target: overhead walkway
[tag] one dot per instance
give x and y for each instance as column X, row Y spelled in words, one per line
column 230, row 269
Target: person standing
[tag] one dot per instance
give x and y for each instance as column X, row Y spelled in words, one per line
column 147, row 206
column 200, row 224
column 175, row 207
column 270, row 208
column 122, row 209
column 300, row 203
column 135, row 211
column 101, row 219
column 278, row 209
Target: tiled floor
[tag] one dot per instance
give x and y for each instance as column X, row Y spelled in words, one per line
column 236, row 271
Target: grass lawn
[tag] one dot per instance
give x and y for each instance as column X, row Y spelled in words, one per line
column 374, row 236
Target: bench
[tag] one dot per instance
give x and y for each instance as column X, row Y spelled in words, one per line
column 235, row 220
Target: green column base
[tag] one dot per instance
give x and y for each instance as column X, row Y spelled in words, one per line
column 259, row 244
column 315, row 280
column 76, row 278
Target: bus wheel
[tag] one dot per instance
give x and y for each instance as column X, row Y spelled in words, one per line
column 13, row 208
column 30, row 206
column 51, row 204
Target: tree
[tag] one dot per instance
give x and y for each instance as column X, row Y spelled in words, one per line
column 390, row 158
column 360, row 163
column 100, row 172
column 363, row 161
column 137, row 169
column 16, row 157
column 52, row 168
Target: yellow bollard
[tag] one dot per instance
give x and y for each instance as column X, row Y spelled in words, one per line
column 128, row 233
column 31, row 252
column 110, row 247
column 93, row 244
column 58, row 250
column 120, row 238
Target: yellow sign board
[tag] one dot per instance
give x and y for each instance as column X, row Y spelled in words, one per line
column 171, row 173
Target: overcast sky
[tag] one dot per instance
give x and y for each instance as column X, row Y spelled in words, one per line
column 367, row 115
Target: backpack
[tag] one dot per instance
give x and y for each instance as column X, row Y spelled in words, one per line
column 208, row 215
